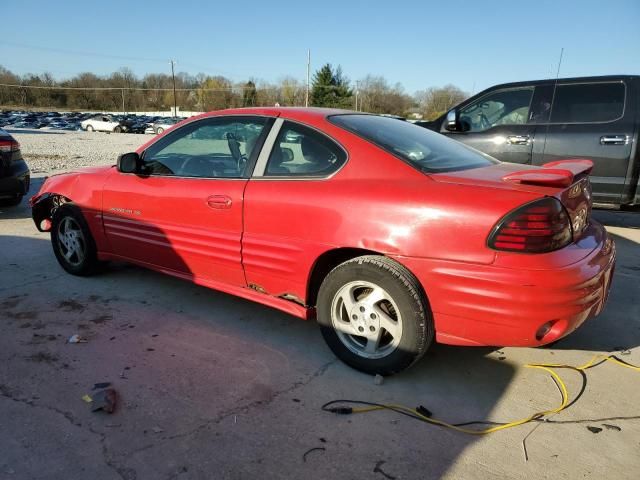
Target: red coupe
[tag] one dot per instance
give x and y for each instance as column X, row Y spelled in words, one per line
column 390, row 235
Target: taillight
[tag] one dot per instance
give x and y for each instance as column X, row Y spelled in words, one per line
column 537, row 227
column 7, row 146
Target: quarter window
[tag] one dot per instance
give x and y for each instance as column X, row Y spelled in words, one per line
column 300, row 151
column 211, row 148
column 588, row 102
column 504, row 107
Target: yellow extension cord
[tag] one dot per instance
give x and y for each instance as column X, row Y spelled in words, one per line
column 548, row 367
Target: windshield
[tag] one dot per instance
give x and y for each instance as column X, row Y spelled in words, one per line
column 426, row 150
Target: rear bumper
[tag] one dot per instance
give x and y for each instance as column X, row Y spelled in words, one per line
column 489, row 305
column 15, row 179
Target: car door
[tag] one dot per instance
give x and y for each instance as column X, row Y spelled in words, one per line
column 589, row 120
column 287, row 218
column 497, row 124
column 183, row 213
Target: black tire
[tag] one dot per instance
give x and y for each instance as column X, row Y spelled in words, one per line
column 11, row 202
column 117, row 129
column 86, row 264
column 159, row 130
column 90, row 128
column 403, row 289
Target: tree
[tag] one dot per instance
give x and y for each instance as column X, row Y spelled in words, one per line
column 249, row 94
column 375, row 95
column 435, row 101
column 330, row 88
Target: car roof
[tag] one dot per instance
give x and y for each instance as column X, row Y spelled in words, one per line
column 603, row 78
column 308, row 113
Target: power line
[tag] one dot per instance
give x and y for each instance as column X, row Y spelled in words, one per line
column 82, row 53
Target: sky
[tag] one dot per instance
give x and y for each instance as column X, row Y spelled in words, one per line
column 420, row 44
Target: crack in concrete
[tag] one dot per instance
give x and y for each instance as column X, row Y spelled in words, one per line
column 245, row 408
column 124, row 473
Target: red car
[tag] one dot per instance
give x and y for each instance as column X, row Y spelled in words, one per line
column 388, row 234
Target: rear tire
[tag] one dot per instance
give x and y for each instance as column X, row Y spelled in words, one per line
column 160, row 130
column 374, row 315
column 117, row 130
column 72, row 242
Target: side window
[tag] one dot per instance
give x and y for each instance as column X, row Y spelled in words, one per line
column 300, row 151
column 210, row 148
column 504, row 107
column 588, row 102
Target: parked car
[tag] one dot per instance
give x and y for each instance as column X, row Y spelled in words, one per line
column 14, row 172
column 102, row 123
column 596, row 118
column 389, row 234
column 165, row 124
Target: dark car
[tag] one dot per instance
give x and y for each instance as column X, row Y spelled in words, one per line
column 594, row 118
column 14, row 172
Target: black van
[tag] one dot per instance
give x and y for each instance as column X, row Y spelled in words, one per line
column 541, row 121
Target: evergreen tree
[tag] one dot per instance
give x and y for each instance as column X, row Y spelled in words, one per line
column 330, row 88
column 249, row 94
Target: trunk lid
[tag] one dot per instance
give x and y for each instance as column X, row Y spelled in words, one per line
column 566, row 180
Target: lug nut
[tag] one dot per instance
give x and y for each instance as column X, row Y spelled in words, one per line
column 372, row 328
column 361, row 329
column 362, row 309
column 354, row 316
column 373, row 316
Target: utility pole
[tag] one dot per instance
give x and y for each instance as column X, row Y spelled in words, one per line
column 173, row 75
column 306, row 99
column 357, row 88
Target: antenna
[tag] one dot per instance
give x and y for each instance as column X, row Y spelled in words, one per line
column 553, row 98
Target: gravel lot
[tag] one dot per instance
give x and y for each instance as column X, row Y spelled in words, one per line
column 49, row 151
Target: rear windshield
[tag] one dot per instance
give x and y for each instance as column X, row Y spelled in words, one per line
column 428, row 151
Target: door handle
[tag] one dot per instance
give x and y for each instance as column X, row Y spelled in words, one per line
column 219, row 201
column 518, row 139
column 614, row 140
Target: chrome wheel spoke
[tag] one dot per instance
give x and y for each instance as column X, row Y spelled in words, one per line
column 373, row 342
column 376, row 296
column 389, row 324
column 347, row 299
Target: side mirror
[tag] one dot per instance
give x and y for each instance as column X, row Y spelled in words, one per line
column 452, row 123
column 129, row 163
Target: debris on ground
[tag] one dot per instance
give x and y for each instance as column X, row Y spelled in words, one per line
column 377, row 469
column 608, row 426
column 594, row 429
column 76, row 339
column 97, row 386
column 378, row 379
column 315, row 449
column 102, row 400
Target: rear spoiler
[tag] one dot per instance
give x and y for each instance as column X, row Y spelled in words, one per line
column 560, row 173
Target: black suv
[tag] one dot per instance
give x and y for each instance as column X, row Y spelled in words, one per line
column 536, row 122
column 14, row 172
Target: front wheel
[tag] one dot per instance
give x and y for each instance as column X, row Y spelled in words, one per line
column 160, row 130
column 72, row 242
column 89, row 128
column 374, row 316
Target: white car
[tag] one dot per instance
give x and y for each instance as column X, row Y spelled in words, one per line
column 102, row 123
